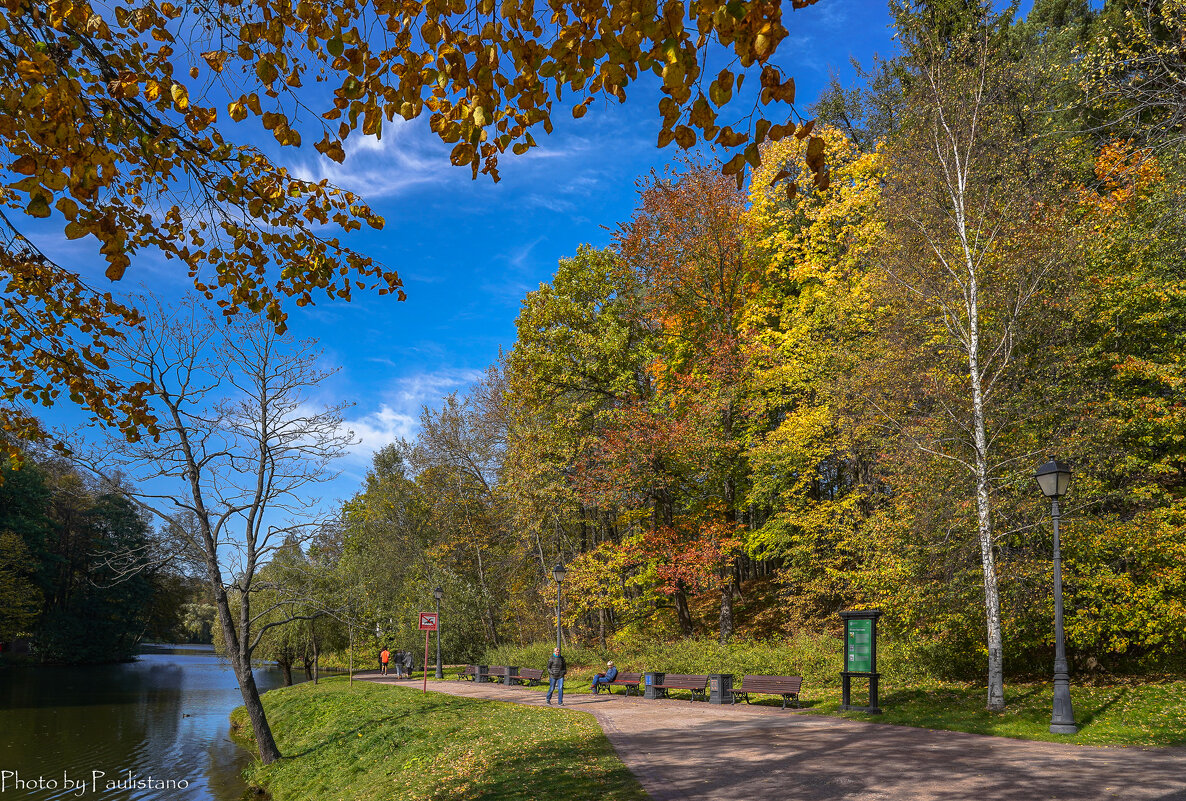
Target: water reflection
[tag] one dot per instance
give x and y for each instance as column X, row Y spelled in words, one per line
column 164, row 717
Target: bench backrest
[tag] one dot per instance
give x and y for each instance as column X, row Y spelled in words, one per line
column 497, row 670
column 684, row 678
column 470, row 670
column 531, row 673
column 781, row 684
column 628, row 678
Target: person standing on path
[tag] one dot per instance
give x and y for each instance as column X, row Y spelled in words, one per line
column 384, row 655
column 557, row 667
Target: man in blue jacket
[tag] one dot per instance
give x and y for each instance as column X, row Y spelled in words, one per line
column 603, row 679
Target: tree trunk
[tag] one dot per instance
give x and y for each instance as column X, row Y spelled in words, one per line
column 992, row 602
column 726, row 580
column 286, row 669
column 268, row 751
column 681, row 610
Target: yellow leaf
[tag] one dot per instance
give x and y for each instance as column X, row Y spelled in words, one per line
column 38, row 206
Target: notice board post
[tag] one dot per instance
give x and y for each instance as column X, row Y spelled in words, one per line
column 860, row 656
column 428, row 622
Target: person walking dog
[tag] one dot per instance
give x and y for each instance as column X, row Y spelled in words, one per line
column 557, row 667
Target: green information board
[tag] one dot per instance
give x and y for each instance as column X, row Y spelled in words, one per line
column 860, row 646
column 860, row 656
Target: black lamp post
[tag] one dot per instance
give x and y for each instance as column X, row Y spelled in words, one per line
column 1054, row 478
column 438, row 593
column 558, row 573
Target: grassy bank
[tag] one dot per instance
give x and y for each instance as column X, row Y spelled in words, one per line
column 375, row 742
column 1128, row 714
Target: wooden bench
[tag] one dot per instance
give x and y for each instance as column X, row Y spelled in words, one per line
column 786, row 686
column 497, row 674
column 468, row 673
column 529, row 676
column 683, row 681
column 627, row 680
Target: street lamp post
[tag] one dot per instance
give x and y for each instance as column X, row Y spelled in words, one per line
column 438, row 593
column 558, row 573
column 1054, row 478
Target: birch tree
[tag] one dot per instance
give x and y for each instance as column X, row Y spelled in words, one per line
column 239, row 449
column 970, row 241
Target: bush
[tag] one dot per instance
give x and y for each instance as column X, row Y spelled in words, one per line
column 818, row 658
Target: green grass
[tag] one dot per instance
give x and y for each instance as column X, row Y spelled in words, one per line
column 1130, row 714
column 380, row 742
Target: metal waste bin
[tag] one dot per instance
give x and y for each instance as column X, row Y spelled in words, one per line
column 481, row 673
column 719, row 686
column 512, row 674
column 650, row 680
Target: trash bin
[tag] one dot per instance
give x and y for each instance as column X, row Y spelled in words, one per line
column 481, row 673
column 512, row 674
column 650, row 680
column 719, row 686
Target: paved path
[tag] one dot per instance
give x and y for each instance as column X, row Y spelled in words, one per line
column 685, row 751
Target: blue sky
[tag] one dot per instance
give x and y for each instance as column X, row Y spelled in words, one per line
column 468, row 251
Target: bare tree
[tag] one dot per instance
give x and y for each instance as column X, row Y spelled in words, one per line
column 239, row 447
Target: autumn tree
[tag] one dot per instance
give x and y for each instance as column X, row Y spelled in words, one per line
column 971, row 240
column 688, row 243
column 808, row 329
column 579, row 355
column 238, row 451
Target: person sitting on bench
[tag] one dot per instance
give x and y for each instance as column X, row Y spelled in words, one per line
column 605, row 678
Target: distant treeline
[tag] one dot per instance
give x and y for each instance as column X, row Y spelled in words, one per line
column 84, row 577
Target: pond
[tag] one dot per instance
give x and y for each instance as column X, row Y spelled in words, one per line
column 157, row 728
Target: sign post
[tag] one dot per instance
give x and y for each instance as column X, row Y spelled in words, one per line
column 860, row 656
column 428, row 622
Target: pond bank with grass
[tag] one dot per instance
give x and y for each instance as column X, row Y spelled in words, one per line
column 365, row 741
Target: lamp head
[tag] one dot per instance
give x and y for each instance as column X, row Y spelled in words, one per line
column 559, row 572
column 1054, row 478
column 438, row 593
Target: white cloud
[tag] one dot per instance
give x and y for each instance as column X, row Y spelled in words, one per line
column 406, row 156
column 378, row 429
column 398, row 414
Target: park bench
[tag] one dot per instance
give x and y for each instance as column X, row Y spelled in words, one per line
column 469, row 672
column 626, row 680
column 497, row 674
column 786, row 686
column 682, row 681
column 529, row 676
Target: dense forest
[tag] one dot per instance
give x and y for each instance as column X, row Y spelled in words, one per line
column 830, row 388
column 84, row 576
